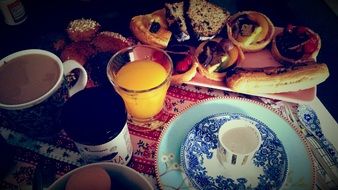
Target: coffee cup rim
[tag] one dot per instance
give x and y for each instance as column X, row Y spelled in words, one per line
column 44, row 96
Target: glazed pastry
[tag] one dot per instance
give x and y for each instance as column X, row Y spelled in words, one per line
column 110, row 42
column 295, row 45
column 216, row 56
column 82, row 29
column 252, row 31
column 151, row 29
column 205, row 18
column 277, row 79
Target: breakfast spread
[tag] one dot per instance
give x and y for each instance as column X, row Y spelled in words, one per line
column 213, row 43
column 194, row 37
column 199, row 23
column 295, row 44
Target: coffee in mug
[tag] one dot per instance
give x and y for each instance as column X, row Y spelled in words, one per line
column 33, row 90
column 27, row 78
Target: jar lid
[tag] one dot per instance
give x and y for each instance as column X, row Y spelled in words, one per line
column 93, row 116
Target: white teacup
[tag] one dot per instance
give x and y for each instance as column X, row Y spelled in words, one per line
column 238, row 141
column 33, row 90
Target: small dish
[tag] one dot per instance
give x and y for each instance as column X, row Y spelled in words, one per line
column 124, row 174
column 268, row 168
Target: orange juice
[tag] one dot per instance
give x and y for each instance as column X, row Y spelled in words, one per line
column 146, row 78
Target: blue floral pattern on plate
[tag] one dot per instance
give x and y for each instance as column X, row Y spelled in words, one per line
column 201, row 143
column 310, row 120
column 301, row 173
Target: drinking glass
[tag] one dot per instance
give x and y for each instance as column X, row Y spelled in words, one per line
column 141, row 74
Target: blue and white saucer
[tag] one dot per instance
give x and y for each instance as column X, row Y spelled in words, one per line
column 268, row 168
column 170, row 174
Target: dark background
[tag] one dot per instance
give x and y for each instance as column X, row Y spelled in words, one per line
column 48, row 18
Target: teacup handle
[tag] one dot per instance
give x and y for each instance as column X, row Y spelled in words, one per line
column 81, row 83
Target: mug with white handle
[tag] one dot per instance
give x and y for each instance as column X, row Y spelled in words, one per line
column 33, row 90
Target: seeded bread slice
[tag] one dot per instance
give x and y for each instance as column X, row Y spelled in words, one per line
column 206, row 19
column 176, row 21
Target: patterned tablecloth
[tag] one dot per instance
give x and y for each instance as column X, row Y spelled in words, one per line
column 62, row 153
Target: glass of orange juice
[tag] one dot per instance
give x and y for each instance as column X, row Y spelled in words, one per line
column 141, row 74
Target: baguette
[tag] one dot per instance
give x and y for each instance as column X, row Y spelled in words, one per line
column 277, row 79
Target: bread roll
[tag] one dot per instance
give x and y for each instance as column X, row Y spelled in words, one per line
column 277, row 79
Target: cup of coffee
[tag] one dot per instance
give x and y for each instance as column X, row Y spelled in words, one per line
column 238, row 141
column 33, row 90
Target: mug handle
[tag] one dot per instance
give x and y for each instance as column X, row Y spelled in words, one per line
column 81, row 83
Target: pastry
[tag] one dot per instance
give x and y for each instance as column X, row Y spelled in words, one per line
column 176, row 21
column 206, row 19
column 277, row 79
column 79, row 51
column 151, row 29
column 110, row 42
column 185, row 63
column 251, row 31
column 216, row 56
column 82, row 29
column 295, row 45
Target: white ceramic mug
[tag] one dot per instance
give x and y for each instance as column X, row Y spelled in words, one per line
column 26, row 103
column 238, row 141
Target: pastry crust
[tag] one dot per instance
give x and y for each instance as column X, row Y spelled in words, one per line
column 264, row 38
column 277, row 79
column 285, row 60
column 140, row 26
